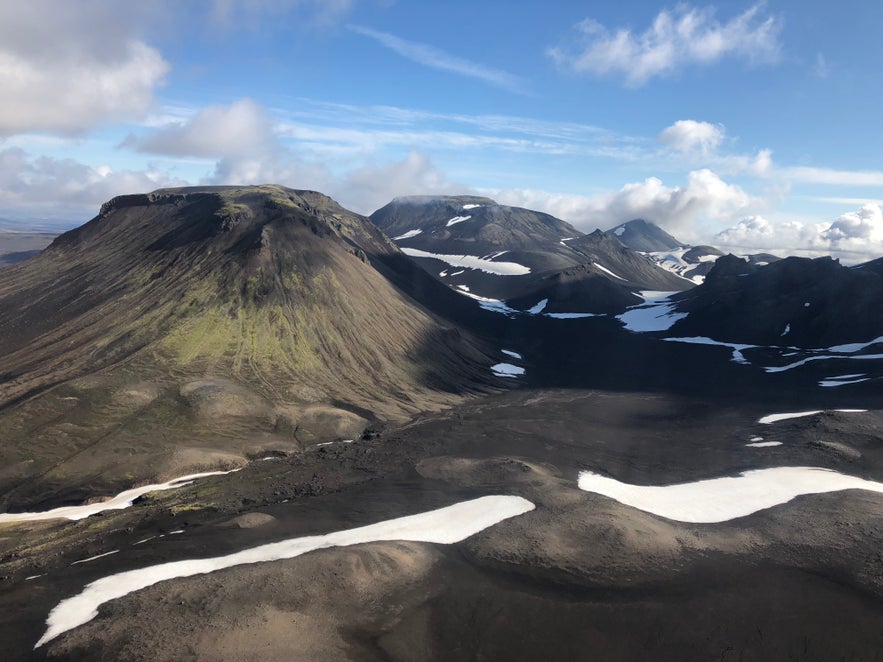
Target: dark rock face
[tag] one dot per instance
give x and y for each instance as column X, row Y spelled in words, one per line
column 795, row 301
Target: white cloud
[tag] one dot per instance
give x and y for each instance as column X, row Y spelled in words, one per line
column 681, row 209
column 437, row 59
column 240, row 129
column 67, row 66
column 863, row 226
column 370, row 187
column 63, row 186
column 692, row 136
column 813, row 175
column 677, row 38
column 854, row 236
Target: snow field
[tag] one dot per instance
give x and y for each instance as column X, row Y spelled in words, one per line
column 120, row 501
column 724, row 499
column 444, row 526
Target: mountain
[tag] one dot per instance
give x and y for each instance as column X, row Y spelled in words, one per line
column 799, row 302
column 519, row 256
column 641, row 235
column 689, row 262
column 189, row 326
column 605, row 250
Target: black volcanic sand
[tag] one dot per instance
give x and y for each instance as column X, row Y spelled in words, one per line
column 582, row 576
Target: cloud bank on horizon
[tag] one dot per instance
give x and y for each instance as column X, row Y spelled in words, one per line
column 716, row 124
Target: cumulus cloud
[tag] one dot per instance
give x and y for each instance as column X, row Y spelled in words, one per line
column 370, row 187
column 64, row 186
column 680, row 209
column 854, row 236
column 67, row 66
column 677, row 38
column 239, row 129
column 692, row 136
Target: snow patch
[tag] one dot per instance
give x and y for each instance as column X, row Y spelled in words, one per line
column 724, row 499
column 408, row 235
column 92, row 558
column 774, row 418
column 787, row 330
column 538, row 308
column 764, row 444
column 444, row 526
column 796, row 364
column 492, row 305
column 509, row 352
column 830, row 383
column 737, row 348
column 472, row 262
column 120, row 501
column 572, row 316
column 507, row 370
column 655, row 314
column 852, row 348
column 457, row 219
column 619, row 231
column 607, row 271
column 468, row 207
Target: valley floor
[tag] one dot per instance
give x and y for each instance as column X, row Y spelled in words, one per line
column 581, row 575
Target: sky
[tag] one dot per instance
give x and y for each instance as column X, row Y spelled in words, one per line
column 748, row 126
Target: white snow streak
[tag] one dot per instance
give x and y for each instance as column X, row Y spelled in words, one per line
column 572, row 316
column 444, row 526
column 120, row 501
column 538, row 308
column 509, row 352
column 457, row 219
column 723, row 499
column 764, row 444
column 472, row 262
column 774, row 418
column 607, row 271
column 408, row 235
column 507, row 370
column 737, row 348
column 92, row 558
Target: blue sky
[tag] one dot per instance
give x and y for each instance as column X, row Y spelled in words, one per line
column 745, row 125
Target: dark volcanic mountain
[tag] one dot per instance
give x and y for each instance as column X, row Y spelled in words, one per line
column 641, row 235
column 521, row 256
column 796, row 301
column 469, row 225
column 203, row 313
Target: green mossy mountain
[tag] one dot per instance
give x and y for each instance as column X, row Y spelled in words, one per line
column 220, row 319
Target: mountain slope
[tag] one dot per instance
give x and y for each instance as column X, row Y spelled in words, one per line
column 606, row 251
column 799, row 302
column 521, row 256
column 224, row 317
column 641, row 235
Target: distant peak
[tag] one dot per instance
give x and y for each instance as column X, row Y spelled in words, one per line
column 442, row 199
